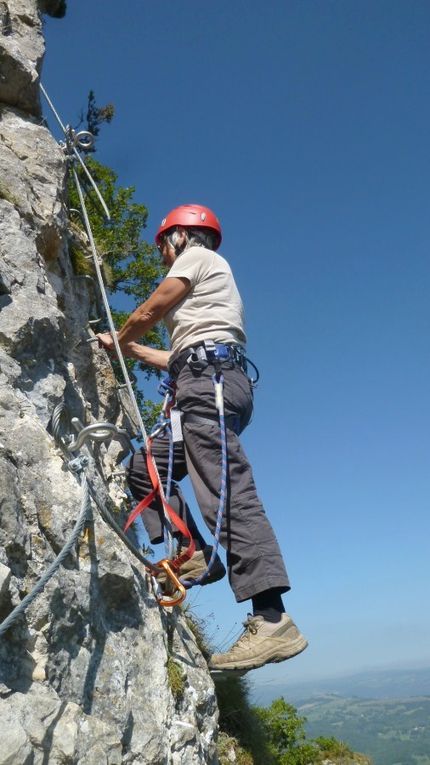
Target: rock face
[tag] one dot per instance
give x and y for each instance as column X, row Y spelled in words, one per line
column 84, row 672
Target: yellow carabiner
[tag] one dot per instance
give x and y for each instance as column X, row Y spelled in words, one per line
column 179, row 587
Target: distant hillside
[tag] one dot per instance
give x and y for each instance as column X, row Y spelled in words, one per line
column 391, row 732
column 375, row 684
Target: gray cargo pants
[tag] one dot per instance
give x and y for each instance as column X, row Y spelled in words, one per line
column 254, row 559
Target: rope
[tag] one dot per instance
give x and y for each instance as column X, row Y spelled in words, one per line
column 77, row 531
column 164, row 425
column 170, row 463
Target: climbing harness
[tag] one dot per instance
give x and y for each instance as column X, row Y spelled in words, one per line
column 199, row 358
column 215, row 355
column 208, row 352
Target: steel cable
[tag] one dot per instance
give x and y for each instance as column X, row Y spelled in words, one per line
column 59, row 413
column 49, row 573
column 76, row 153
column 107, row 516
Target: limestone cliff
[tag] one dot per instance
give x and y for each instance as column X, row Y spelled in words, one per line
column 83, row 673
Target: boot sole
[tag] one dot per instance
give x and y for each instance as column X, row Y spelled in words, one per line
column 218, row 572
column 223, row 674
column 273, row 656
column 215, row 577
column 209, row 579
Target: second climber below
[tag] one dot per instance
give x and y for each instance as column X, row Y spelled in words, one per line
column 203, row 312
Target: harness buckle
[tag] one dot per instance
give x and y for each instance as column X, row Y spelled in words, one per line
column 198, row 360
column 166, row 385
column 210, row 348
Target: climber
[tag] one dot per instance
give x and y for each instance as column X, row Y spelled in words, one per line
column 203, row 312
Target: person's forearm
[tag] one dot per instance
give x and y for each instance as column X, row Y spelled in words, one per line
column 139, row 322
column 154, row 357
column 167, row 295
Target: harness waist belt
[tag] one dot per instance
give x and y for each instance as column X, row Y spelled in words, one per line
column 208, row 352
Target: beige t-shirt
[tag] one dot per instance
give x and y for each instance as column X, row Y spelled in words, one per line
column 212, row 310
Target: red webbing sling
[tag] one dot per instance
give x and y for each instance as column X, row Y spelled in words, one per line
column 168, row 509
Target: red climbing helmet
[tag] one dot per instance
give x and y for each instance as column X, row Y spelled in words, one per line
column 191, row 216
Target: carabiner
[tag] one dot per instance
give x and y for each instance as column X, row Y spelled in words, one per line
column 179, row 587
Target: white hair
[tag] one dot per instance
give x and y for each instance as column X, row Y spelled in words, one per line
column 195, row 237
column 201, row 237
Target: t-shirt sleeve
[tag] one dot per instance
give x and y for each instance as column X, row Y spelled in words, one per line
column 191, row 264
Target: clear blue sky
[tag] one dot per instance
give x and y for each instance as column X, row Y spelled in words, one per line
column 305, row 125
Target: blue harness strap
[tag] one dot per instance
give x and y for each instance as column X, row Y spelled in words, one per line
column 218, row 381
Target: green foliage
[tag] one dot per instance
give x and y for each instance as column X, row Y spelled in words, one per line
column 129, row 265
column 239, row 720
column 135, row 266
column 286, row 734
column 229, row 750
column 287, row 740
column 197, row 627
column 82, row 266
column 97, row 115
column 176, row 679
column 331, row 747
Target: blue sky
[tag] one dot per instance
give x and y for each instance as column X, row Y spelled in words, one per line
column 304, row 125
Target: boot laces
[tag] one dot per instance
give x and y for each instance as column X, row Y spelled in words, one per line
column 251, row 628
column 250, row 625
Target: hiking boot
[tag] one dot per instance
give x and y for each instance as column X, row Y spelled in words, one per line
column 261, row 643
column 197, row 565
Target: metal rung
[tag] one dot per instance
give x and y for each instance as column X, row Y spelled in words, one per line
column 97, row 431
